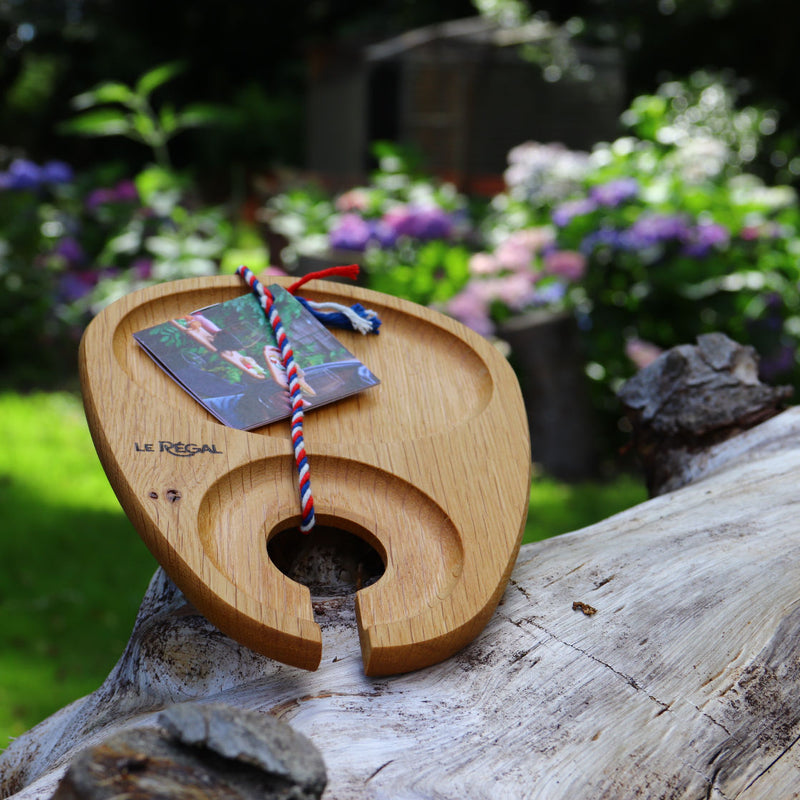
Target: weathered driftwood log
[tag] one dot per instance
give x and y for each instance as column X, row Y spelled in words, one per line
column 692, row 397
column 656, row 654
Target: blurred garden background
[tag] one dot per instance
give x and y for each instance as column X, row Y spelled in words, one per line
column 585, row 182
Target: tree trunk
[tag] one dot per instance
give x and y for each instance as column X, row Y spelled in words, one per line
column 655, row 654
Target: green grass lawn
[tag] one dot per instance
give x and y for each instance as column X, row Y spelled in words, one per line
column 73, row 570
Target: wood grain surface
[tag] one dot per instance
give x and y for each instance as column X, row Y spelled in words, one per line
column 432, row 468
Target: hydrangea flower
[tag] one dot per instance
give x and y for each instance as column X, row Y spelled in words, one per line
column 614, row 193
column 71, row 251
column 705, row 237
column 524, row 271
column 352, row 200
column 55, row 172
column 471, row 306
column 353, row 232
column 654, row 229
column 567, row 264
column 123, row 192
column 24, row 174
column 566, row 212
column 484, row 264
column 602, row 237
column 424, row 224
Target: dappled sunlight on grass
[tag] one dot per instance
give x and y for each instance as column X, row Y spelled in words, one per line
column 72, row 569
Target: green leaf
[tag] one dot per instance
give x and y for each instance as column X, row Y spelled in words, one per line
column 168, row 120
column 156, row 180
column 199, row 114
column 101, row 122
column 256, row 257
column 110, row 92
column 145, row 127
column 158, row 76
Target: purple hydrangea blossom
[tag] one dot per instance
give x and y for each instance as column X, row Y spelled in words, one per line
column 126, row 192
column 654, row 229
column 142, row 268
column 123, row 192
column 614, row 193
column 353, row 232
column 99, row 197
column 704, row 238
column 552, row 292
column 602, row 237
column 22, row 174
column 566, row 212
column 55, row 172
column 432, row 223
column 420, row 223
column 382, row 234
column 71, row 251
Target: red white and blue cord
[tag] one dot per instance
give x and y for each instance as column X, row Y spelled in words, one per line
column 362, row 320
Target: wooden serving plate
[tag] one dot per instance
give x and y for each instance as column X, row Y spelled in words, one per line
column 431, row 468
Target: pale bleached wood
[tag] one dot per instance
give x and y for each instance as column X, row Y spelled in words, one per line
column 412, row 465
column 684, row 684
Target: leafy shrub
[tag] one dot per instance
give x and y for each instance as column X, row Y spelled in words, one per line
column 410, row 233
column 69, row 246
column 666, row 234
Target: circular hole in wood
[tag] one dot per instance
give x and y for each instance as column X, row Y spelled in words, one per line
column 331, row 562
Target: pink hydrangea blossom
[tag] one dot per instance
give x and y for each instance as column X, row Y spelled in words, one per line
column 567, row 264
column 354, row 200
column 518, row 252
column 514, row 255
column 471, row 307
column 483, row 264
column 515, row 290
column 535, row 239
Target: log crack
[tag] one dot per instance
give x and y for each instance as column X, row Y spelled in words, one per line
column 381, row 767
column 631, row 681
column 769, row 766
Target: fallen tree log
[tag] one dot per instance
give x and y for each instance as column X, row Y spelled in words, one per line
column 655, row 654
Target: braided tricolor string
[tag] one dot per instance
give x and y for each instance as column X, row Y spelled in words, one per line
column 295, row 394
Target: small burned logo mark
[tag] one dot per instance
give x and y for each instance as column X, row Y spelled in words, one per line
column 180, row 449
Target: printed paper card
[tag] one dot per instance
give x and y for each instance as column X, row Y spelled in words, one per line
column 227, row 358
